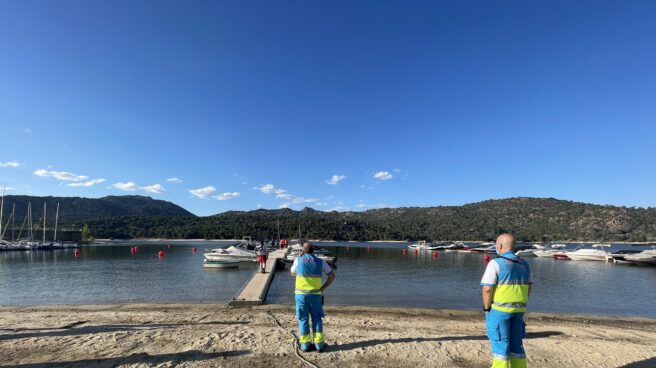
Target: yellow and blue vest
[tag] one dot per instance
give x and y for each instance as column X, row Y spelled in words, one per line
column 308, row 274
column 510, row 294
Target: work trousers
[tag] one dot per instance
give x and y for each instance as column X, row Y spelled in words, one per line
column 506, row 331
column 310, row 305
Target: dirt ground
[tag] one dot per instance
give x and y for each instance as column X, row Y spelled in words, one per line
column 221, row 336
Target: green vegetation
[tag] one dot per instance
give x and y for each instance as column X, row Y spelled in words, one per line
column 86, row 237
column 532, row 219
column 76, row 210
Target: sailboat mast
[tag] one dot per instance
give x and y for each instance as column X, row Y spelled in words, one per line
column 54, row 238
column 13, row 221
column 29, row 213
column 2, row 207
column 44, row 223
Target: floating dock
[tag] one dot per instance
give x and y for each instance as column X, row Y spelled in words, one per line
column 255, row 290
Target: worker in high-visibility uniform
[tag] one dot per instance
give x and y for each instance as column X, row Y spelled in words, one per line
column 308, row 270
column 506, row 287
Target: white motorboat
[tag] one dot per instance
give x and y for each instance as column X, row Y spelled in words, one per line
column 586, row 254
column 646, row 257
column 231, row 253
column 423, row 245
column 620, row 256
column 454, row 247
column 544, row 253
column 226, row 263
column 558, row 245
column 528, row 250
column 488, row 250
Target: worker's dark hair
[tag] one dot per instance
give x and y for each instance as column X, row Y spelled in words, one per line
column 308, row 248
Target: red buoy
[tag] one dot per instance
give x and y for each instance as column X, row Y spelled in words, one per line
column 77, row 253
column 435, row 254
column 193, row 249
column 486, row 258
column 405, row 251
column 161, row 253
column 416, row 251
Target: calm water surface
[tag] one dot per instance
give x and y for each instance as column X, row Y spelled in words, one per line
column 380, row 276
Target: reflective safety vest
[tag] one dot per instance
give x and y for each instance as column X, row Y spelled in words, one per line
column 511, row 291
column 308, row 274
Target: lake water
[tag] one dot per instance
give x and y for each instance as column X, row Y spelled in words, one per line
column 380, row 276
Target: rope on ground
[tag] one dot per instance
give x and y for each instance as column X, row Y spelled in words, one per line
column 296, row 343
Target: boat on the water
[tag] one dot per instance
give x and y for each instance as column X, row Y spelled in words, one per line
column 586, row 254
column 423, row 245
column 454, row 247
column 233, row 252
column 646, row 257
column 488, row 250
column 226, row 263
column 528, row 250
column 619, row 256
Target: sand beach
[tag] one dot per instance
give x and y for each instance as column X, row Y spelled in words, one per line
column 216, row 335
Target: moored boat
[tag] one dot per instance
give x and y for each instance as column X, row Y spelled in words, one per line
column 586, row 254
column 225, row 263
column 646, row 257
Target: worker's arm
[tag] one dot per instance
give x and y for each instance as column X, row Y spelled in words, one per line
column 331, row 278
column 294, row 266
column 487, row 297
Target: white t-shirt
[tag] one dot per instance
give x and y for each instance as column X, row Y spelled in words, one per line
column 325, row 267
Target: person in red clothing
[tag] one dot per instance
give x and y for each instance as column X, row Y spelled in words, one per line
column 262, row 255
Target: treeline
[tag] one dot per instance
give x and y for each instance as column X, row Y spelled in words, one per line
column 531, row 219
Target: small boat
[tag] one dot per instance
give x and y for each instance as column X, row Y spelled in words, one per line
column 454, row 247
column 233, row 252
column 423, row 245
column 226, row 263
column 646, row 257
column 528, row 250
column 544, row 253
column 586, row 254
column 488, row 250
column 619, row 256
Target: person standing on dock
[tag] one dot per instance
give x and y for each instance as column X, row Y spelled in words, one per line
column 262, row 255
column 506, row 286
column 308, row 270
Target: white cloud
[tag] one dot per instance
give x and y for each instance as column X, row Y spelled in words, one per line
column 203, row 192
column 27, row 131
column 267, row 188
column 285, row 195
column 259, row 206
column 284, row 205
column 155, row 188
column 335, row 179
column 7, row 189
column 226, row 196
column 9, row 164
column 174, row 180
column 128, row 187
column 89, row 183
column 321, row 204
column 383, row 175
column 60, row 175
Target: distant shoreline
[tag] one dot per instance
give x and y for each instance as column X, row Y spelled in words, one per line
column 368, row 241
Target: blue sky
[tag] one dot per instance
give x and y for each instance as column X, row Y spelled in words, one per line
column 262, row 103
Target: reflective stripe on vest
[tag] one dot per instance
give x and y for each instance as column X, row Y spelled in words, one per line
column 308, row 274
column 511, row 292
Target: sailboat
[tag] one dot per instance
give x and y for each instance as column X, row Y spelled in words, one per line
column 44, row 245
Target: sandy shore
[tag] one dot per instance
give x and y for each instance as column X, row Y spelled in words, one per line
column 221, row 336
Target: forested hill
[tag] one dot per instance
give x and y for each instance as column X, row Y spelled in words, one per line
column 532, row 219
column 76, row 210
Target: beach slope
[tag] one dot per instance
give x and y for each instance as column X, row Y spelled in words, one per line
column 193, row 335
